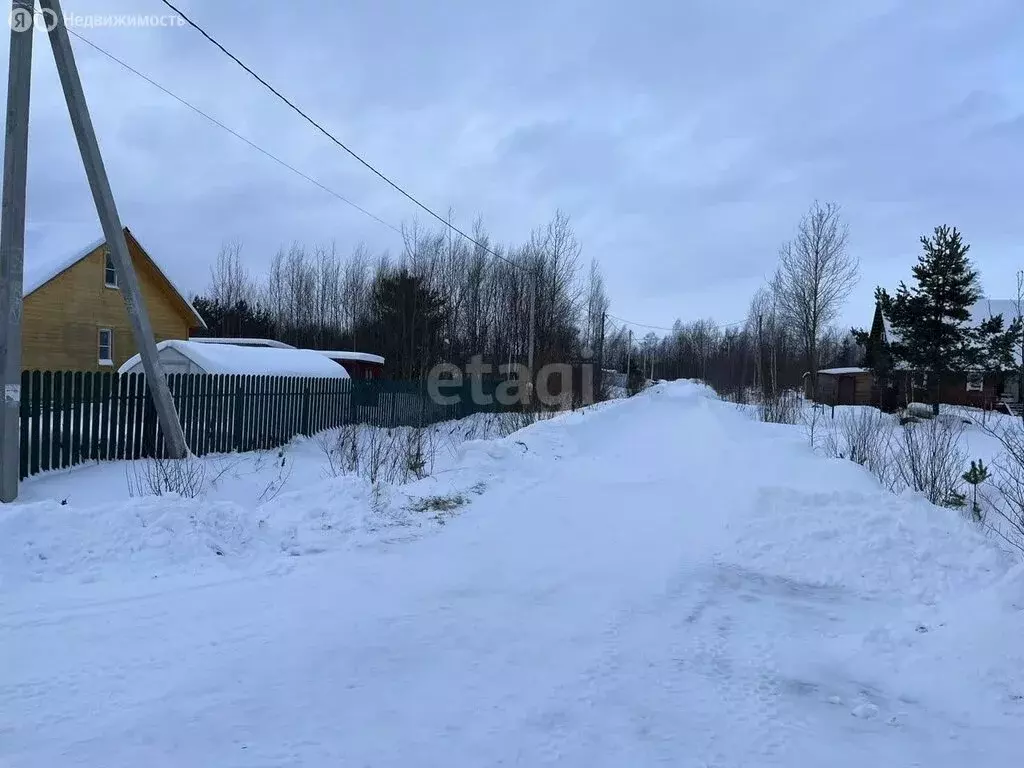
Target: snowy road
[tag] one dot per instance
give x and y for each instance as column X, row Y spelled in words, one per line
column 661, row 581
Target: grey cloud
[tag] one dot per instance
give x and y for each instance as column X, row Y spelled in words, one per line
column 684, row 139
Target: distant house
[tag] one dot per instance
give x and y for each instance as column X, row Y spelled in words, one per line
column 360, row 365
column 74, row 314
column 178, row 356
column 967, row 388
column 842, row 386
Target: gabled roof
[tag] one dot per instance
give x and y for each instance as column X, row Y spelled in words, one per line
column 41, row 270
column 243, row 360
column 981, row 310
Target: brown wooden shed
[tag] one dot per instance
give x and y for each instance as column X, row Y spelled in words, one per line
column 841, row 386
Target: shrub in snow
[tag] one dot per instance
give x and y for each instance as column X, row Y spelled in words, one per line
column 379, row 455
column 865, row 437
column 282, row 470
column 1008, row 502
column 512, row 421
column 928, row 459
column 779, row 406
column 157, row 477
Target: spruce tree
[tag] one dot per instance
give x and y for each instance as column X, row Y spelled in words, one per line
column 933, row 331
column 931, row 321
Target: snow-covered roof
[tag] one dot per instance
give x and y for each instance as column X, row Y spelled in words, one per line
column 980, row 311
column 841, row 371
column 986, row 308
column 242, row 342
column 242, row 360
column 39, row 270
column 363, row 357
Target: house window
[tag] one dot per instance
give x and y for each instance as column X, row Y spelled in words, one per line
column 109, row 270
column 106, row 346
column 975, row 382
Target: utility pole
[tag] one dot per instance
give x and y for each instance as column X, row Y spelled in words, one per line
column 60, row 42
column 629, row 354
column 533, row 331
column 12, row 241
column 1020, row 363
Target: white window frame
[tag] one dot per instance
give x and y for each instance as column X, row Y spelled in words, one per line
column 975, row 382
column 109, row 360
column 109, row 268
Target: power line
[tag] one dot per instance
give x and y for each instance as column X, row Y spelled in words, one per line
column 128, row 67
column 125, row 65
column 234, row 133
column 640, row 325
column 332, row 137
column 664, row 328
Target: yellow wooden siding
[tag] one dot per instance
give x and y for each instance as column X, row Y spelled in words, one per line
column 62, row 318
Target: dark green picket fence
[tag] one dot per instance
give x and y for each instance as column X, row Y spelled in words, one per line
column 72, row 417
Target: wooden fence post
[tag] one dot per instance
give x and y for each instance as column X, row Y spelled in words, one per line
column 237, row 442
column 26, row 420
column 149, row 420
column 305, row 407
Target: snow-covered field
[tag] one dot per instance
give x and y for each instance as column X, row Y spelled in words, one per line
column 654, row 580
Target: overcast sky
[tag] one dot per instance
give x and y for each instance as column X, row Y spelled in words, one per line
column 683, row 137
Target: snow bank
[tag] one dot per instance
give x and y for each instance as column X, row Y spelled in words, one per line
column 653, row 580
column 81, row 523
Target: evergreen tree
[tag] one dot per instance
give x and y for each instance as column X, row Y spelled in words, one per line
column 931, row 321
column 407, row 325
column 975, row 476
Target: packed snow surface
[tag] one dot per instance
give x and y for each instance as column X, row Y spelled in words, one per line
column 659, row 580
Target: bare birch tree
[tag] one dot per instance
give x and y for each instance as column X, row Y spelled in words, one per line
column 815, row 276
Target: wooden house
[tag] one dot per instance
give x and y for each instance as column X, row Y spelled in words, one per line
column 841, row 386
column 74, row 313
column 360, row 365
column 999, row 389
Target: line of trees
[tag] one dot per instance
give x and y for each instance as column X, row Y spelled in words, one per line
column 790, row 325
column 442, row 299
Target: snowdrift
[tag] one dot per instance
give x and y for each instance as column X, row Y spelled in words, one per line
column 659, row 579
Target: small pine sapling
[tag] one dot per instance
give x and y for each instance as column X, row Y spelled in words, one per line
column 975, row 476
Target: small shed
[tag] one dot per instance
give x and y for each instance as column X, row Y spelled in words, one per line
column 841, row 386
column 360, row 365
column 191, row 357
